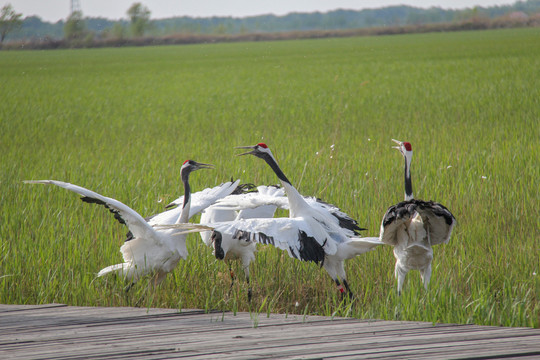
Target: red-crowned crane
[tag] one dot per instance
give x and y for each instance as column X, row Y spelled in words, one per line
column 321, row 233
column 225, row 247
column 413, row 226
column 150, row 250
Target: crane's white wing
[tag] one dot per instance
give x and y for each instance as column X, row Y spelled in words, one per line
column 207, row 193
column 265, row 195
column 123, row 213
column 199, row 201
column 329, row 214
column 338, row 218
column 214, row 214
column 301, row 239
column 438, row 221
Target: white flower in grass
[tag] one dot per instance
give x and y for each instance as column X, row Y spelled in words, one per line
column 484, row 177
column 296, row 304
column 368, row 139
column 317, row 153
column 449, row 166
column 332, row 146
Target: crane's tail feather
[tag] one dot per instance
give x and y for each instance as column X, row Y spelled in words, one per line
column 110, row 269
column 365, row 244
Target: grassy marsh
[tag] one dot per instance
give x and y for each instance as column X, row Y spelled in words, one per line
column 121, row 122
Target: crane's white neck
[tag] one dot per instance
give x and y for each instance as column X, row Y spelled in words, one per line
column 296, row 201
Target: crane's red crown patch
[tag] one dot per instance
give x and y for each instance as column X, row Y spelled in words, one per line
column 263, row 145
column 408, row 146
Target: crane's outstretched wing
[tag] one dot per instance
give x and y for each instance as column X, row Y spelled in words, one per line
column 437, row 219
column 269, row 195
column 199, row 201
column 340, row 218
column 209, row 192
column 124, row 214
column 265, row 195
column 213, row 214
column 302, row 240
column 295, row 236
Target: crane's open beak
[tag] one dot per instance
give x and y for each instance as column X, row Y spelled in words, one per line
column 252, row 152
column 199, row 165
column 397, row 142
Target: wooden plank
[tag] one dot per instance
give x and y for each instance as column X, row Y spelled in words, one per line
column 58, row 332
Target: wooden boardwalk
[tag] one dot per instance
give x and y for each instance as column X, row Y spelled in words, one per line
column 57, row 331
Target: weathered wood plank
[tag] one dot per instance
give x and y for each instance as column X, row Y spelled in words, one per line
column 58, row 332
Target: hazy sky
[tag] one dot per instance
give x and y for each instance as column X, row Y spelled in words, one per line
column 54, row 10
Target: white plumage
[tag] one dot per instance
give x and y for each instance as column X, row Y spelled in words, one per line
column 314, row 231
column 150, row 250
column 413, row 226
column 225, row 247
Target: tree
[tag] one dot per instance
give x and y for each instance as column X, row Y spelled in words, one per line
column 9, row 20
column 75, row 27
column 140, row 18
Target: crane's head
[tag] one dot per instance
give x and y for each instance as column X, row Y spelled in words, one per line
column 404, row 147
column 217, row 240
column 260, row 150
column 189, row 166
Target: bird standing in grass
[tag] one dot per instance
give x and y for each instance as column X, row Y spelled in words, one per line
column 314, row 231
column 225, row 246
column 150, row 250
column 413, row 226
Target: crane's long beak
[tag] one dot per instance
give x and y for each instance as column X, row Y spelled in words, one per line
column 203, row 166
column 397, row 142
column 247, row 147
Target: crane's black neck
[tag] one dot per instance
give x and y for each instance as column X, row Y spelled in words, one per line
column 273, row 164
column 187, row 188
column 408, row 181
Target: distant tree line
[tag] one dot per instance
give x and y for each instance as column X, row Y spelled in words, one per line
column 85, row 29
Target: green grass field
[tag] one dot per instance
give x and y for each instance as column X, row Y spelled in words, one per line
column 121, row 122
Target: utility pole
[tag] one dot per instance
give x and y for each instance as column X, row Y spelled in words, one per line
column 75, row 6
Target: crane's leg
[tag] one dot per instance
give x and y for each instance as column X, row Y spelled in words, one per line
column 249, row 288
column 400, row 275
column 340, row 287
column 246, row 272
column 426, row 276
column 233, row 277
column 349, row 291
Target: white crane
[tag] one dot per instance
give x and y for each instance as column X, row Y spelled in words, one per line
column 225, row 247
column 315, row 231
column 150, row 250
column 413, row 226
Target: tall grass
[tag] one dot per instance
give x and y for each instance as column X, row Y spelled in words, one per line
column 121, row 121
